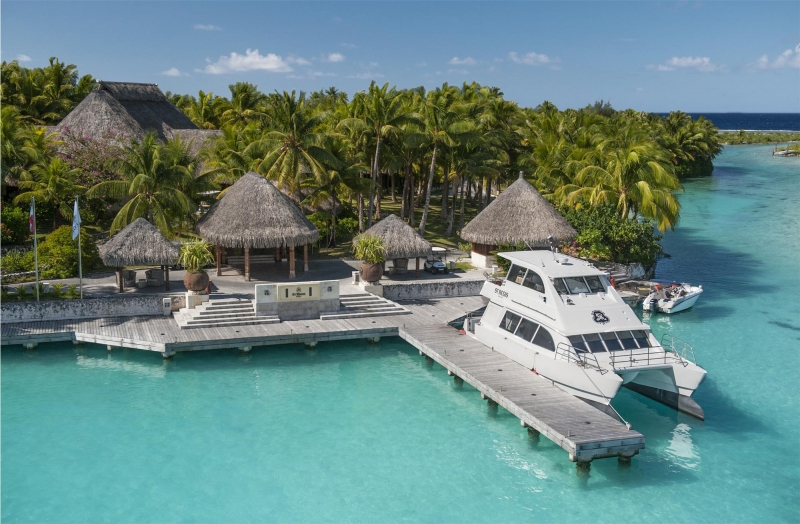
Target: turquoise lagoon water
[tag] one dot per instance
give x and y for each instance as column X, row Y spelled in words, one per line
column 358, row 433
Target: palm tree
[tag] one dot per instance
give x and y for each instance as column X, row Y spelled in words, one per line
column 152, row 175
column 380, row 111
column 293, row 149
column 202, row 111
column 52, row 183
column 443, row 127
column 634, row 174
column 245, row 106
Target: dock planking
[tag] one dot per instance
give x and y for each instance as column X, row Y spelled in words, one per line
column 584, row 432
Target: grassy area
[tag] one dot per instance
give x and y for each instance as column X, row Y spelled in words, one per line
column 757, row 137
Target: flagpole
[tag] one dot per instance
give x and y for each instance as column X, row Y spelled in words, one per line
column 35, row 247
column 80, row 263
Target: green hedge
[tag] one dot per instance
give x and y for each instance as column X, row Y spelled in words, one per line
column 15, row 227
column 60, row 252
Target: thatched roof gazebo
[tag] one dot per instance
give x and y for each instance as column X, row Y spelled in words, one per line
column 140, row 242
column 128, row 110
column 520, row 214
column 401, row 241
column 253, row 213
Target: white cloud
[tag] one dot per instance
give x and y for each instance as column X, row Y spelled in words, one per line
column 462, row 61
column 297, row 60
column 207, row 27
column 531, row 58
column 252, row 60
column 366, row 76
column 23, row 58
column 174, row 71
column 702, row 64
column 788, row 59
column 334, row 57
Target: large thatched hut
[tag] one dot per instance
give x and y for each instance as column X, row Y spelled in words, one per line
column 139, row 243
column 126, row 110
column 518, row 215
column 253, row 213
column 401, row 241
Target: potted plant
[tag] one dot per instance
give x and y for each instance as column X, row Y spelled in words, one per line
column 371, row 250
column 194, row 257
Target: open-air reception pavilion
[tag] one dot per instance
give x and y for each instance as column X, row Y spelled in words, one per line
column 401, row 242
column 140, row 243
column 520, row 214
column 254, row 214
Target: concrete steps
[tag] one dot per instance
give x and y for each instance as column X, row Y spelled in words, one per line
column 225, row 312
column 363, row 305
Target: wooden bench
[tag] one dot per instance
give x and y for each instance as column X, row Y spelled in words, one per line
column 238, row 260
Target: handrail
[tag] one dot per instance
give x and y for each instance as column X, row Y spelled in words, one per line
column 583, row 359
column 628, row 358
column 680, row 348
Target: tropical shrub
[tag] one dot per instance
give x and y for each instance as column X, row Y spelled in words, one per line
column 17, row 262
column 603, row 235
column 15, row 227
column 195, row 256
column 348, row 224
column 60, row 253
column 369, row 248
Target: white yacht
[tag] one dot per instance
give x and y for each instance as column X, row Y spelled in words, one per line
column 559, row 316
column 671, row 297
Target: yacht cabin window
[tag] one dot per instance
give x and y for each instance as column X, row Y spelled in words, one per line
column 510, row 321
column 575, row 285
column 526, row 329
column 515, row 274
column 533, row 281
column 544, row 339
column 614, row 341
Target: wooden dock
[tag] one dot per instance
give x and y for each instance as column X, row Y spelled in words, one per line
column 583, row 431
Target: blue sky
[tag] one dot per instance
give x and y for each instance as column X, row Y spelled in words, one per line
column 651, row 56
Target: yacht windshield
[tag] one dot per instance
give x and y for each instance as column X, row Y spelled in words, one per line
column 575, row 285
column 560, row 287
column 613, row 341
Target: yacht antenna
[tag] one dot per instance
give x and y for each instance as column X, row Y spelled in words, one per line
column 552, row 245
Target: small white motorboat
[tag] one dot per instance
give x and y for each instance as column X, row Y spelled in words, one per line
column 671, row 297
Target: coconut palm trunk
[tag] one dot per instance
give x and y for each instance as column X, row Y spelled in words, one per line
column 461, row 213
column 391, row 180
column 445, row 194
column 428, row 192
column 374, row 188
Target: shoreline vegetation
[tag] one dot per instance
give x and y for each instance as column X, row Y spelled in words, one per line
column 742, row 137
column 435, row 157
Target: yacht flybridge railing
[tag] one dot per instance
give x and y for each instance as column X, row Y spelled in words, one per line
column 680, row 348
column 671, row 351
column 584, row 359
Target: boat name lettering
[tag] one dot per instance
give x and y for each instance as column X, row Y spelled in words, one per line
column 599, row 317
column 500, row 292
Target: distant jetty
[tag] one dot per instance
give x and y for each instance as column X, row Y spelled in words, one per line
column 789, row 150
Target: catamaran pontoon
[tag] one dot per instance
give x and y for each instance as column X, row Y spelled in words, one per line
column 560, row 317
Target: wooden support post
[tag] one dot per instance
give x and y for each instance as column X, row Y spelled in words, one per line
column 166, row 278
column 247, row 263
column 305, row 257
column 219, row 261
column 121, row 285
column 277, row 253
column 417, row 267
column 292, row 273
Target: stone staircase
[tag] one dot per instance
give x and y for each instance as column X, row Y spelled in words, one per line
column 362, row 305
column 221, row 312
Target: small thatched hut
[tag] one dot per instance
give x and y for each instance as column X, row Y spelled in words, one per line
column 253, row 213
column 128, row 110
column 518, row 214
column 140, row 242
column 402, row 242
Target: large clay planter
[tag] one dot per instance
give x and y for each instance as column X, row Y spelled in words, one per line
column 370, row 272
column 195, row 281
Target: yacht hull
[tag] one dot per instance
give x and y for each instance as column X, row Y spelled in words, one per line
column 682, row 403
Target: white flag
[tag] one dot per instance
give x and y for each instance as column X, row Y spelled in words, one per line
column 76, row 221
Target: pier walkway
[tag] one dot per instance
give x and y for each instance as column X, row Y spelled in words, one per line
column 584, row 432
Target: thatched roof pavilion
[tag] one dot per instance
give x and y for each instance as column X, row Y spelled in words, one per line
column 140, row 242
column 401, row 241
column 253, row 213
column 520, row 214
column 128, row 110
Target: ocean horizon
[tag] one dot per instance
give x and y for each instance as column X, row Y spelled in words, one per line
column 784, row 122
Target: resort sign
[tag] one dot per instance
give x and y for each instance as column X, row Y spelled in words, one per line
column 301, row 291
